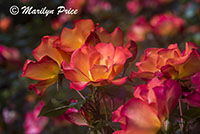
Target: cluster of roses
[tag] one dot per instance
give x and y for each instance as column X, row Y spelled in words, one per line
column 89, row 55
column 86, row 54
column 170, row 75
column 163, row 25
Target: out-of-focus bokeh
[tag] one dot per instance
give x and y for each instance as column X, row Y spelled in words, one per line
column 150, row 23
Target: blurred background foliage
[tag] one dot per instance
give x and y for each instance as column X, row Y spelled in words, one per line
column 24, row 33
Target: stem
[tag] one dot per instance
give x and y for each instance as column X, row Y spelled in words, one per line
column 106, row 115
column 81, row 95
column 105, row 108
column 181, row 114
column 57, row 85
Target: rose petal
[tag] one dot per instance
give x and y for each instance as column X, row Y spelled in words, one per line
column 184, row 64
column 196, row 79
column 116, row 37
column 92, row 39
column 116, row 69
column 80, row 59
column 44, row 69
column 73, row 74
column 78, row 85
column 119, row 81
column 132, row 47
column 121, row 55
column 189, row 46
column 148, row 64
column 193, row 98
column 169, row 71
column 41, row 86
column 106, row 50
column 141, row 119
column 46, row 49
column 72, row 39
column 100, row 72
column 76, row 118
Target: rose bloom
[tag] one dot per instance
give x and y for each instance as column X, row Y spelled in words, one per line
column 170, row 62
column 34, row 124
column 48, row 65
column 167, row 24
column 152, row 104
column 53, row 50
column 139, row 30
column 96, row 65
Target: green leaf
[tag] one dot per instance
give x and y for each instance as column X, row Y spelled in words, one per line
column 55, row 108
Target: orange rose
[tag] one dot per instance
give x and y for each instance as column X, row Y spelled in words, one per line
column 48, row 64
column 152, row 104
column 96, row 65
column 169, row 62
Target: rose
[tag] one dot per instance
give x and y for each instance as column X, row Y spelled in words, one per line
column 96, row 65
column 152, row 104
column 170, row 62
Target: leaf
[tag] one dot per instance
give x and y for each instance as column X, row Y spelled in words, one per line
column 56, row 108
